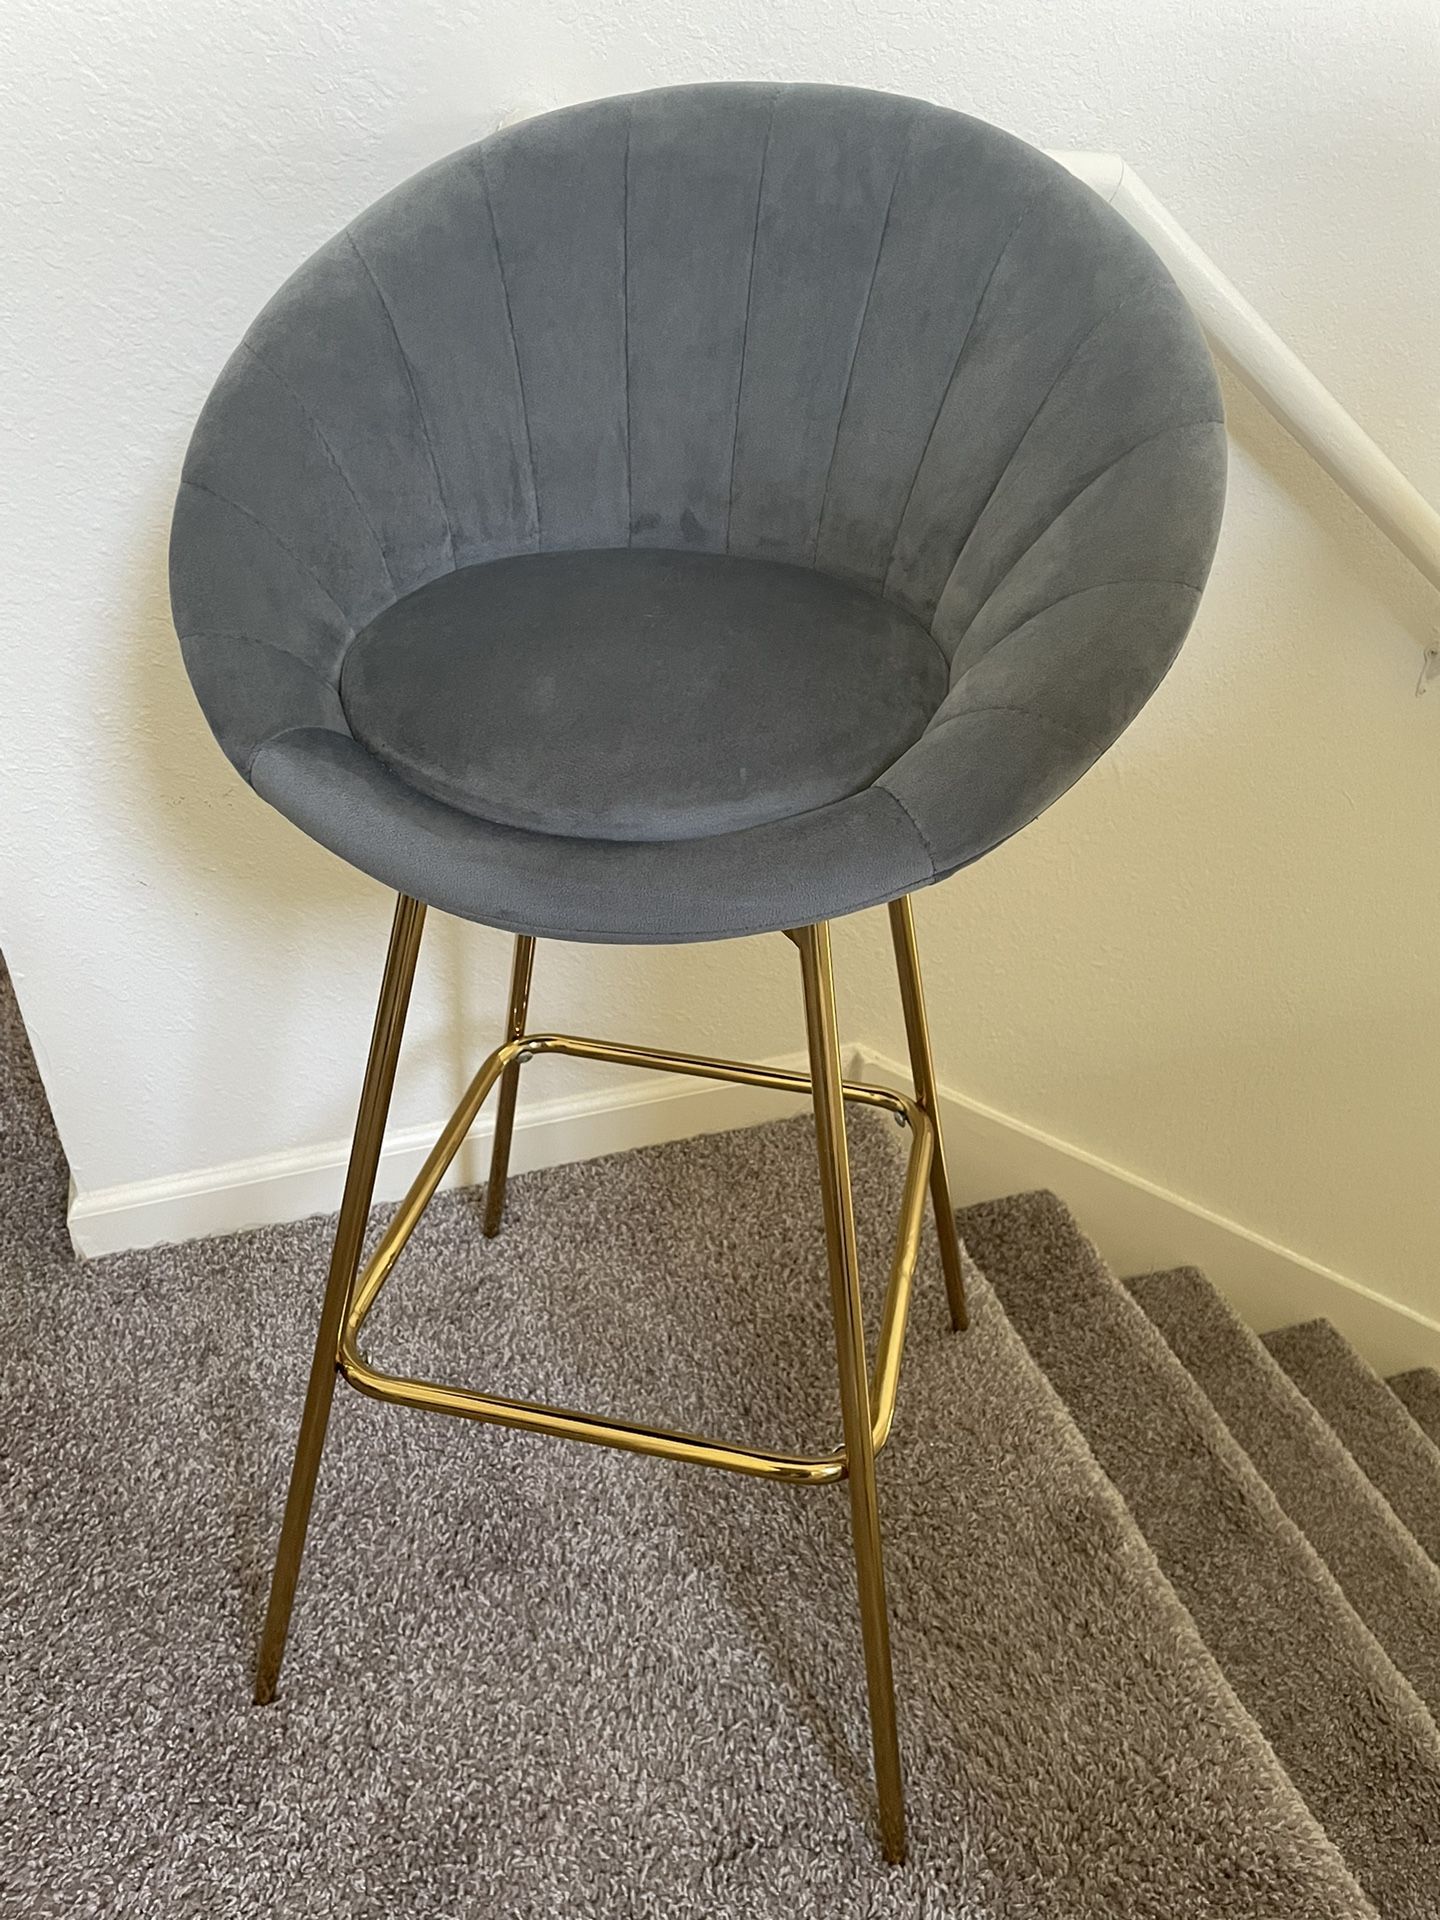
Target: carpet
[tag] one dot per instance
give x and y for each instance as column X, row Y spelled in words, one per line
column 530, row 1679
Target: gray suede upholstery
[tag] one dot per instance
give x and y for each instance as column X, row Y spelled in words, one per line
column 699, row 513
column 639, row 694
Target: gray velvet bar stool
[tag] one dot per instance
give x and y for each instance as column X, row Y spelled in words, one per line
column 682, row 517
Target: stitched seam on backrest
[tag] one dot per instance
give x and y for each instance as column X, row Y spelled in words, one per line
column 409, row 373
column 1027, row 713
column 920, row 832
column 745, row 333
column 1014, row 453
column 1078, row 593
column 1020, row 220
column 275, row 646
column 625, row 292
column 855, row 348
column 514, row 343
column 1175, row 426
column 199, row 486
column 330, row 455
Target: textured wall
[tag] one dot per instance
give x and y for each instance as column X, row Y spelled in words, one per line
column 1214, row 963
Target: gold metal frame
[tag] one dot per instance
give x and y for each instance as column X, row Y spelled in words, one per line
column 867, row 1400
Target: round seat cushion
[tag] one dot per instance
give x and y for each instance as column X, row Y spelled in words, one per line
column 633, row 694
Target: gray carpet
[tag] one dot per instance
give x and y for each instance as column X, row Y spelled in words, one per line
column 1385, row 1440
column 1420, row 1391
column 1389, row 1579
column 1349, row 1729
column 528, row 1679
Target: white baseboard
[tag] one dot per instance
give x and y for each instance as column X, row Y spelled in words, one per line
column 289, row 1186
column 1141, row 1228
column 1137, row 1226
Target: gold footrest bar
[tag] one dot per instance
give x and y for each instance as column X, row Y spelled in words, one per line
column 867, row 1390
column 534, row 1417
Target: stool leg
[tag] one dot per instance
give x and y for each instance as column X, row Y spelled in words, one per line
column 520, row 971
column 344, row 1260
column 922, row 1071
column 814, row 944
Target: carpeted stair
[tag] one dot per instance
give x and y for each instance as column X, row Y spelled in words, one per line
column 1350, row 1730
column 1387, row 1577
column 534, row 1680
column 1387, row 1442
column 1420, row 1391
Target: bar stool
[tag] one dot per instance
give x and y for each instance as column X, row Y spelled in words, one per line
column 681, row 517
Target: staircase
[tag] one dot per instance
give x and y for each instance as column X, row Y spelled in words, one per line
column 1291, row 1496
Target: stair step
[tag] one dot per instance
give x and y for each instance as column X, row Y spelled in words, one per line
column 1349, row 1729
column 1078, row 1697
column 1420, row 1390
column 1386, row 1576
column 1380, row 1432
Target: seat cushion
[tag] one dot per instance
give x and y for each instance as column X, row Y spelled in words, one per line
column 637, row 694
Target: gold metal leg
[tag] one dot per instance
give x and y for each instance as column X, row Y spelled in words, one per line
column 922, row 1069
column 344, row 1260
column 867, row 1407
column 814, row 944
column 521, row 968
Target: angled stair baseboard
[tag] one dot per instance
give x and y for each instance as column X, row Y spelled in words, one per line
column 1140, row 1227
column 1384, row 1573
column 1290, row 1643
column 1384, row 1438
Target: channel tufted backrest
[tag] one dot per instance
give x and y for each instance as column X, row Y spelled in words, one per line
column 838, row 328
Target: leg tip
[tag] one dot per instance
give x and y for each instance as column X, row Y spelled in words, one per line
column 890, row 1806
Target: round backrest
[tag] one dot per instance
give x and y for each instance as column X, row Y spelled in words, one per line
column 819, row 325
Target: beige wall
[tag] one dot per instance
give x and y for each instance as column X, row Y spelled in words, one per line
column 1214, row 964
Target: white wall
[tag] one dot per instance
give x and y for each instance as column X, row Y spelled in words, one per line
column 1215, row 964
